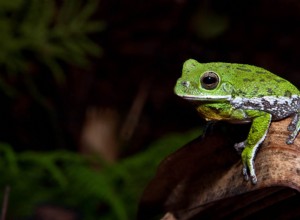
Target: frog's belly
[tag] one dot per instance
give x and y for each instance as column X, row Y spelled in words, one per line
column 217, row 112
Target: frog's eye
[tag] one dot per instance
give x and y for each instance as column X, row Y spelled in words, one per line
column 209, row 80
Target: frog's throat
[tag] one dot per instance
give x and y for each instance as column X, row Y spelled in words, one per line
column 207, row 98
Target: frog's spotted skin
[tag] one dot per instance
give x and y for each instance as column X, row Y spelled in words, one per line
column 280, row 107
column 241, row 93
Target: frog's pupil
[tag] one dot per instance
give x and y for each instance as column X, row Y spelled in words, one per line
column 209, row 80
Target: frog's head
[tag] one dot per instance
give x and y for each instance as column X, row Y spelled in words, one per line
column 202, row 82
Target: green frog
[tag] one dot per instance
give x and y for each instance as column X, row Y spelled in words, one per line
column 241, row 93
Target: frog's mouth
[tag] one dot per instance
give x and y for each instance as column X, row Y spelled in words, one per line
column 207, row 98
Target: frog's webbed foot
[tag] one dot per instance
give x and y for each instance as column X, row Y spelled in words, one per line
column 294, row 128
column 248, row 166
column 239, row 147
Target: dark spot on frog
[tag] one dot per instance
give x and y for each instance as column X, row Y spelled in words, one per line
column 270, row 91
column 254, row 91
column 239, row 93
column 266, row 104
column 262, row 80
column 254, row 130
column 260, row 72
column 247, row 103
column 251, row 104
column 243, row 69
column 279, row 80
column 192, row 64
column 244, row 93
column 288, row 93
column 298, row 171
column 248, row 80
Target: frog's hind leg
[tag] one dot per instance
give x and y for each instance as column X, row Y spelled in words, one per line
column 258, row 131
column 294, row 128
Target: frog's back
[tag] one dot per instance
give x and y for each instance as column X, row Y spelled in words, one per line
column 252, row 81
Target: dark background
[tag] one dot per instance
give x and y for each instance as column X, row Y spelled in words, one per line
column 144, row 45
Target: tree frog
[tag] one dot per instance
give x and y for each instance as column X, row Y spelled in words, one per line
column 241, row 93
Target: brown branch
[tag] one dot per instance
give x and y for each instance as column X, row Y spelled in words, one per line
column 205, row 176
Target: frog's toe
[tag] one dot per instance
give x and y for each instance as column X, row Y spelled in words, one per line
column 248, row 168
column 239, row 147
column 245, row 173
column 291, row 127
column 290, row 139
column 253, row 179
column 252, row 176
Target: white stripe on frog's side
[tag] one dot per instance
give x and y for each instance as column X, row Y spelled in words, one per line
column 271, row 99
column 279, row 107
column 206, row 97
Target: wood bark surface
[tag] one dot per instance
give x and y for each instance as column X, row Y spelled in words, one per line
column 204, row 179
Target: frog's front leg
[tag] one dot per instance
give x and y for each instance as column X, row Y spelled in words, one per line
column 294, row 128
column 259, row 128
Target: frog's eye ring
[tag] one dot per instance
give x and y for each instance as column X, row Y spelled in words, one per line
column 209, row 80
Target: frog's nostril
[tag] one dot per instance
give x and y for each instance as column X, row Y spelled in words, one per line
column 185, row 83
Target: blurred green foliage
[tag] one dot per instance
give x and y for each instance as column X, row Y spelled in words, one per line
column 45, row 33
column 40, row 42
column 71, row 180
